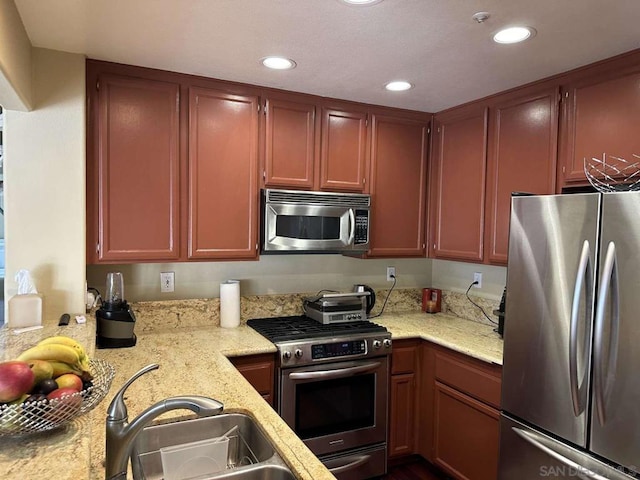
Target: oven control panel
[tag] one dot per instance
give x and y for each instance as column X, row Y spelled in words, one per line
column 338, row 349
column 321, row 350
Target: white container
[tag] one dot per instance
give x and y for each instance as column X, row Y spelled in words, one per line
column 195, row 459
column 25, row 310
column 230, row 304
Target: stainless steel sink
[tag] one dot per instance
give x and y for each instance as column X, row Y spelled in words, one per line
column 258, row 472
column 251, row 454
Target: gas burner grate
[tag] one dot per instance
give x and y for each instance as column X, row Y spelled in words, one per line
column 282, row 329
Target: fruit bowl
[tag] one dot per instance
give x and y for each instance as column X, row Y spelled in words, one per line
column 33, row 417
column 613, row 174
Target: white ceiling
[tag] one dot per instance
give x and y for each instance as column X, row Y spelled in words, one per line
column 343, row 51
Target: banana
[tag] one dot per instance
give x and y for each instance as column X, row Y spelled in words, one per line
column 70, row 342
column 53, row 351
column 60, row 368
column 62, row 340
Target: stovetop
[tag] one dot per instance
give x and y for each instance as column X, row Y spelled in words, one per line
column 298, row 327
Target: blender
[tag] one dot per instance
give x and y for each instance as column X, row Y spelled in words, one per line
column 115, row 319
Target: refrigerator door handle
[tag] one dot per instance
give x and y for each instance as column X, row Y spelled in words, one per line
column 608, row 285
column 582, row 472
column 584, row 275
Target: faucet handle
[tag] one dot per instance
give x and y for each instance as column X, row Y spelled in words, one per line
column 117, row 410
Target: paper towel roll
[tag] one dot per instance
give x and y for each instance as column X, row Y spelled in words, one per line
column 230, row 304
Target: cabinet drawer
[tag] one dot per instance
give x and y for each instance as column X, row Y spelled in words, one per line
column 479, row 380
column 404, row 357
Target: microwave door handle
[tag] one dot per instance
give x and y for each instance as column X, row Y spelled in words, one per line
column 608, row 285
column 359, row 460
column 583, row 471
column 337, row 373
column 585, row 274
column 352, row 230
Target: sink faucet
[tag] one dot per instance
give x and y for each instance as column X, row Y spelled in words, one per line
column 121, row 434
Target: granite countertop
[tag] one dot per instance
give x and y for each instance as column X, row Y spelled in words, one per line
column 193, row 360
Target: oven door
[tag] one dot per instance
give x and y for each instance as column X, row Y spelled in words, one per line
column 336, row 406
column 291, row 227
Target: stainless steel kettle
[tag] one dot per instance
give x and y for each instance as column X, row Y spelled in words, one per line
column 371, row 299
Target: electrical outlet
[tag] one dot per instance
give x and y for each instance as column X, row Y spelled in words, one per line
column 477, row 277
column 167, row 281
column 391, row 272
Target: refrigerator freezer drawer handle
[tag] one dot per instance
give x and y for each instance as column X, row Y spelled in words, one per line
column 538, row 443
column 608, row 286
column 584, row 275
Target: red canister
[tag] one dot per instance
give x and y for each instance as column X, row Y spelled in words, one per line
column 436, row 296
column 426, row 296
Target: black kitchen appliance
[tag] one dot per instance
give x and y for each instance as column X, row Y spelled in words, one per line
column 115, row 319
column 500, row 312
column 371, row 299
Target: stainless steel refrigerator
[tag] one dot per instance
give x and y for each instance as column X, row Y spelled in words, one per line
column 571, row 374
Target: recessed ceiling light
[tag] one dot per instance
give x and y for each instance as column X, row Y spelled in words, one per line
column 398, row 86
column 278, row 63
column 361, row 2
column 514, row 34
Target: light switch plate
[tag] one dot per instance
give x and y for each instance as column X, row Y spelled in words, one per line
column 167, row 282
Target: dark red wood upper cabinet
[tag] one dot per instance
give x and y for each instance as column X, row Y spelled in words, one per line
column 136, row 149
column 223, row 168
column 343, row 150
column 522, row 158
column 601, row 115
column 458, row 184
column 398, row 187
column 289, row 144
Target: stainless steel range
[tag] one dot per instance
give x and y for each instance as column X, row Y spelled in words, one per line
column 333, row 383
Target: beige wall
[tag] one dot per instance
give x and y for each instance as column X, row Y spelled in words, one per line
column 271, row 274
column 15, row 60
column 45, row 184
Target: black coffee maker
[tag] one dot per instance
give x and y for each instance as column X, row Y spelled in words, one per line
column 500, row 313
column 115, row 319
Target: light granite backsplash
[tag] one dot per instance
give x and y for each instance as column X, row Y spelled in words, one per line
column 458, row 305
column 154, row 315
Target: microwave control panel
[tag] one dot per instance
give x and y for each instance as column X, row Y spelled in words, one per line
column 362, row 227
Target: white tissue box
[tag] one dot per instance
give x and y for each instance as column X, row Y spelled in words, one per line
column 25, row 310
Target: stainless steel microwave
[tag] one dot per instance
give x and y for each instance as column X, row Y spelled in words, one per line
column 314, row 222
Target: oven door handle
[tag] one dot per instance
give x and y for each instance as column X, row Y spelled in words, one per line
column 337, row 373
column 359, row 460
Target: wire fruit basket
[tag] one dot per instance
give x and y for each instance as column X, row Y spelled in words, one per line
column 44, row 415
column 613, row 174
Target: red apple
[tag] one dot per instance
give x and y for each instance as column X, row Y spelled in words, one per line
column 66, row 397
column 69, row 380
column 16, row 379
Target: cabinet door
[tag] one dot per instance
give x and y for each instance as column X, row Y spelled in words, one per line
column 398, row 190
column 402, row 415
column 223, row 192
column 343, row 151
column 289, row 144
column 458, row 184
column 466, row 435
column 138, row 170
column 601, row 115
column 522, row 158
column 403, row 398
column 259, row 372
